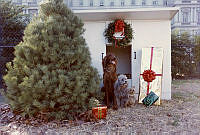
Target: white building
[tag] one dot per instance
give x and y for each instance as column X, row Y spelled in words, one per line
column 31, row 6
column 187, row 19
column 91, row 4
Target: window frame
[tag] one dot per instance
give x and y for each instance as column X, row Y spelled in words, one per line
column 101, row 3
column 91, row 3
column 185, row 17
column 122, row 2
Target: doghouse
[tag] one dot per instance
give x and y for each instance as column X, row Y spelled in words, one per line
column 151, row 28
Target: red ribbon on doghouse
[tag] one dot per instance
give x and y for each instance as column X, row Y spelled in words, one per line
column 115, row 41
column 149, row 75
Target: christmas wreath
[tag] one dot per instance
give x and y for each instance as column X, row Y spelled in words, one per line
column 119, row 33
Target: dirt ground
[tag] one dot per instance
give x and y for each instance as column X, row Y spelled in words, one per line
column 179, row 116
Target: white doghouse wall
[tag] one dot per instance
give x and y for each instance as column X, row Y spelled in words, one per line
column 147, row 33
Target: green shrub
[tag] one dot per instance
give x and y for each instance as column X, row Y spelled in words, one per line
column 182, row 55
column 197, row 50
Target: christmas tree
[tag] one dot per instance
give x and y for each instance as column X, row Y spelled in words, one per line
column 51, row 72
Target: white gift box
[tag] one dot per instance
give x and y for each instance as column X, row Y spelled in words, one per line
column 152, row 60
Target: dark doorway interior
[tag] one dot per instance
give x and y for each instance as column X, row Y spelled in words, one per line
column 123, row 55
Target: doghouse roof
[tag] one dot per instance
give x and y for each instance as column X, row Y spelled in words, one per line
column 127, row 14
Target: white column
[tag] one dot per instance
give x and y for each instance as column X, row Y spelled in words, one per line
column 180, row 16
column 195, row 15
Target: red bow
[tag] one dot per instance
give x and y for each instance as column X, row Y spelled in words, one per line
column 149, row 75
column 119, row 26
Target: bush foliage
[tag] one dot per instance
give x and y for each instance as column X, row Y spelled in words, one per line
column 197, row 49
column 182, row 55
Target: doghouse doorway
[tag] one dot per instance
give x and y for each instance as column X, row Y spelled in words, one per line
column 123, row 55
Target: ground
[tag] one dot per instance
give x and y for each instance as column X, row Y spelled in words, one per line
column 179, row 116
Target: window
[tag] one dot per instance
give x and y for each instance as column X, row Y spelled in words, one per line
column 186, row 1
column 91, row 3
column 112, row 3
column 71, row 3
column 198, row 32
column 198, row 17
column 80, row 2
column 155, row 2
column 32, row 3
column 122, row 2
column 19, row 1
column 32, row 12
column 132, row 2
column 143, row 2
column 25, row 11
column 165, row 3
column 101, row 2
column 185, row 14
column 185, row 17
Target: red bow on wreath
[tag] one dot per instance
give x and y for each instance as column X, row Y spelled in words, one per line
column 119, row 26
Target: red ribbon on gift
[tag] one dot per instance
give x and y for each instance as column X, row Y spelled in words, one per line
column 149, row 75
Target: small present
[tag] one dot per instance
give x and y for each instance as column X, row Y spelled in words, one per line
column 100, row 112
column 150, row 99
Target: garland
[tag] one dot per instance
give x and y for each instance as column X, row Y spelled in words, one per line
column 119, row 27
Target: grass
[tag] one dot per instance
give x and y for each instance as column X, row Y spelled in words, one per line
column 178, row 96
column 181, row 95
column 186, row 97
column 180, row 82
column 2, row 99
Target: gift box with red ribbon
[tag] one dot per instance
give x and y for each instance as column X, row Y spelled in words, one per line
column 100, row 112
column 151, row 72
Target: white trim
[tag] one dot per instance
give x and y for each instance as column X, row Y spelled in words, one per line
column 127, row 10
column 127, row 14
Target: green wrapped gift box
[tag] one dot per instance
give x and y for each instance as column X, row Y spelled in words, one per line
column 150, row 99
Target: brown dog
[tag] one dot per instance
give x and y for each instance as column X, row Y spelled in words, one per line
column 130, row 97
column 109, row 77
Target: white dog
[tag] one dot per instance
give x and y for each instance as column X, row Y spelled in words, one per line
column 124, row 95
column 121, row 90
